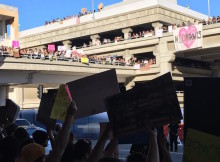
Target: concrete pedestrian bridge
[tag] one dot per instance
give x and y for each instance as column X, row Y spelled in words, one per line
column 22, row 76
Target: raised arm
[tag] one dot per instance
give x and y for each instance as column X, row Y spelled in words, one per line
column 97, row 152
column 153, row 153
column 51, row 137
column 112, row 148
column 62, row 138
column 166, row 157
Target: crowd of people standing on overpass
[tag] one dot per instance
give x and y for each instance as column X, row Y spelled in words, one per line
column 60, row 20
column 74, row 56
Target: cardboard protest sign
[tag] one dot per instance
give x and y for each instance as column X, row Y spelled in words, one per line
column 202, row 147
column 61, row 104
column 84, row 10
column 9, row 112
column 100, row 6
column 51, row 47
column 15, row 44
column 45, row 109
column 61, row 48
column 201, row 104
column 89, row 93
column 152, row 104
column 135, row 138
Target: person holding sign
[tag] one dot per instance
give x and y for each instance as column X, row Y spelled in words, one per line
column 62, row 139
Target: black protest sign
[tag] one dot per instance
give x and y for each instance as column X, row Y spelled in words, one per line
column 201, row 104
column 45, row 109
column 9, row 112
column 90, row 93
column 152, row 104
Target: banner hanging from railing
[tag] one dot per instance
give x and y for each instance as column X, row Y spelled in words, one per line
column 186, row 38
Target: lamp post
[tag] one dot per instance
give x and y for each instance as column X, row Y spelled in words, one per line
column 93, row 14
column 209, row 8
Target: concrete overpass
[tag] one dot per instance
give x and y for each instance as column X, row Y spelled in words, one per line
column 115, row 18
column 121, row 18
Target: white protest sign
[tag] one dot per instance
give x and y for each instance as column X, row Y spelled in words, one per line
column 68, row 53
column 61, row 48
column 80, row 51
column 188, row 37
column 170, row 29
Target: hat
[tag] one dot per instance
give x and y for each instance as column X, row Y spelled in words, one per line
column 32, row 152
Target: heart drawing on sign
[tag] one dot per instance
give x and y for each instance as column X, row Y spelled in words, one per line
column 188, row 36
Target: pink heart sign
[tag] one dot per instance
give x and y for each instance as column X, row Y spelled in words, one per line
column 188, row 36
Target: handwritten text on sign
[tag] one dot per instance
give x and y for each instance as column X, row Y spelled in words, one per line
column 188, row 37
column 201, row 147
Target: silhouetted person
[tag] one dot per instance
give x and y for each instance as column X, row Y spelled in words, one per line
column 173, row 133
column 40, row 137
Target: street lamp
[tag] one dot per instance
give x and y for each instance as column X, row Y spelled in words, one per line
column 209, row 8
column 93, row 14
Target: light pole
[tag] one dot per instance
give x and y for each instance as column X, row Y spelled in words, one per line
column 93, row 14
column 209, row 8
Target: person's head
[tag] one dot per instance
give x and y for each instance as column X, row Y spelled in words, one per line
column 21, row 134
column 40, row 137
column 108, row 159
column 32, row 152
column 68, row 154
column 58, row 126
column 9, row 149
column 136, row 157
column 83, row 149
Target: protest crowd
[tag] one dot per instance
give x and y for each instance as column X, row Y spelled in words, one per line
column 80, row 14
column 77, row 56
column 17, row 146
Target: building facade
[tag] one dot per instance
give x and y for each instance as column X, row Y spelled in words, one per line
column 8, row 25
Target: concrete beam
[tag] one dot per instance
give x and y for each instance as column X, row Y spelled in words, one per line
column 36, row 77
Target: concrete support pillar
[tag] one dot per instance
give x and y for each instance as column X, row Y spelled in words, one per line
column 1, row 27
column 127, row 55
column 3, row 95
column 12, row 31
column 157, row 26
column 4, row 28
column 127, row 33
column 67, row 44
column 164, row 57
column 94, row 38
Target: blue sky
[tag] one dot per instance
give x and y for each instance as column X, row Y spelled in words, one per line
column 33, row 13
